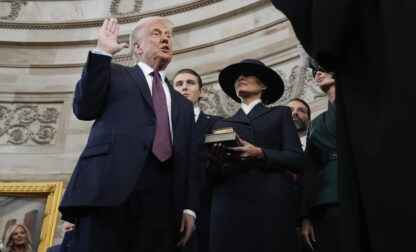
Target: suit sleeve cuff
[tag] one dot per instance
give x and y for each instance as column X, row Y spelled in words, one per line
column 190, row 212
column 96, row 51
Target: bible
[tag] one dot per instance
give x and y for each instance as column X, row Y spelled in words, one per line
column 225, row 136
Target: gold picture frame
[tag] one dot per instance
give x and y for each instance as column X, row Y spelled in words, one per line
column 47, row 193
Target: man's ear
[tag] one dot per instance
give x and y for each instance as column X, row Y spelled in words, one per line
column 201, row 92
column 137, row 49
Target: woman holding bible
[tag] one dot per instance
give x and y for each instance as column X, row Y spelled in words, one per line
column 253, row 205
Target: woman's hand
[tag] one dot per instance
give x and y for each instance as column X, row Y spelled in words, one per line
column 218, row 153
column 248, row 151
column 308, row 233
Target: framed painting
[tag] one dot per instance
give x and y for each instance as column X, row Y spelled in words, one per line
column 34, row 205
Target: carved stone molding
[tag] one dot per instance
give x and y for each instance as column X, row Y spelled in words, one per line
column 34, row 122
column 115, row 7
column 14, row 10
column 123, row 19
column 29, row 124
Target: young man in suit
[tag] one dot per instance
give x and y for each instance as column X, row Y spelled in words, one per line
column 133, row 188
column 189, row 84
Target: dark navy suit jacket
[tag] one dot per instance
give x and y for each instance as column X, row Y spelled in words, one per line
column 199, row 240
column 253, row 204
column 204, row 126
column 119, row 100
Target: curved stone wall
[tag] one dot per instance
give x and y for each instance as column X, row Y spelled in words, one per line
column 44, row 44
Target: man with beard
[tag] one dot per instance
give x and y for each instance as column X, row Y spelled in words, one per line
column 301, row 115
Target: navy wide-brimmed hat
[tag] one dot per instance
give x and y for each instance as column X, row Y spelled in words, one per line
column 252, row 67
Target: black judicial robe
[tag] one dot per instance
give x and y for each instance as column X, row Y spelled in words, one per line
column 370, row 46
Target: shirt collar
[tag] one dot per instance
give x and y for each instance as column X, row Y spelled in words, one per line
column 303, row 142
column 147, row 70
column 247, row 108
column 197, row 111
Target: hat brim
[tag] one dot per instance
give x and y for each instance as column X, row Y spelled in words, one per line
column 274, row 83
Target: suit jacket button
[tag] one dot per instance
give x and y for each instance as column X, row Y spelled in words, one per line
column 144, row 147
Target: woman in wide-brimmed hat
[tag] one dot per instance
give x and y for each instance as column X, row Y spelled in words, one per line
column 253, row 204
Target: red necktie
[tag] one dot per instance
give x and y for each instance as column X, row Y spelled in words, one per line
column 162, row 146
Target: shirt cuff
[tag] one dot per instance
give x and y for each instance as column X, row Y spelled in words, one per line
column 190, row 212
column 97, row 51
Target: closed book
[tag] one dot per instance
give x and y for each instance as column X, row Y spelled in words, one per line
column 226, row 136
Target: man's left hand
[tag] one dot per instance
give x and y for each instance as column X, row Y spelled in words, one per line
column 187, row 226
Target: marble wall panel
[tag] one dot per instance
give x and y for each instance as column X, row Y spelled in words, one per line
column 33, row 123
column 39, row 80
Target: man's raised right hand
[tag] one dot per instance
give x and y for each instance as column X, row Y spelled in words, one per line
column 107, row 38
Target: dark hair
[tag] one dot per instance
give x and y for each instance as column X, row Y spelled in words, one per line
column 304, row 103
column 189, row 71
column 314, row 65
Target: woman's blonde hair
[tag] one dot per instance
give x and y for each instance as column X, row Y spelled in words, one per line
column 9, row 241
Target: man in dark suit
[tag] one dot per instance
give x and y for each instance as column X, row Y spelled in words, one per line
column 301, row 115
column 132, row 188
column 189, row 84
column 67, row 244
column 369, row 45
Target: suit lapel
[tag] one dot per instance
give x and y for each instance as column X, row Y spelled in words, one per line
column 173, row 103
column 202, row 123
column 136, row 74
column 239, row 117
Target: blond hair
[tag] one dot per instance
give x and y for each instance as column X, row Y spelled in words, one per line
column 9, row 240
column 137, row 34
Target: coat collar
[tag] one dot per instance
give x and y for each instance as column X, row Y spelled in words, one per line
column 239, row 117
column 256, row 112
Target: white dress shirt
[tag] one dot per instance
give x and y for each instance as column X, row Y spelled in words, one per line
column 197, row 111
column 303, row 142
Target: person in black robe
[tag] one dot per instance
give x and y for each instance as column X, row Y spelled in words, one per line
column 370, row 47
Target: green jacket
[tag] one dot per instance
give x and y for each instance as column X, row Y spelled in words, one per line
column 321, row 174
